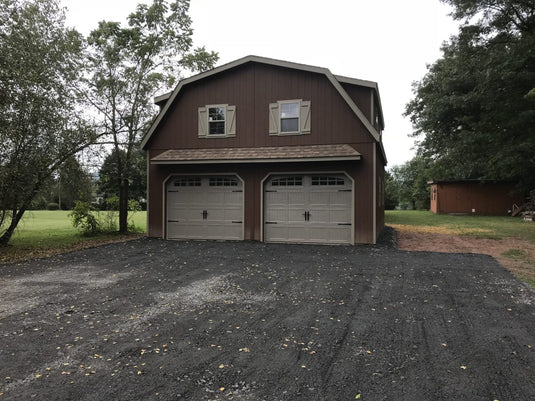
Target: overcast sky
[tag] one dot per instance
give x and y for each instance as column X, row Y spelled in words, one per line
column 386, row 41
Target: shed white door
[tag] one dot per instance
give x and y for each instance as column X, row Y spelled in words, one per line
column 308, row 209
column 206, row 207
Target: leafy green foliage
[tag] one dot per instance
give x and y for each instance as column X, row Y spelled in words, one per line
column 41, row 121
column 83, row 218
column 92, row 221
column 109, row 180
column 472, row 110
column 406, row 185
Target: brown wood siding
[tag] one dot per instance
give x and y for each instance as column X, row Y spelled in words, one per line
column 362, row 96
column 251, row 88
column 252, row 176
column 483, row 198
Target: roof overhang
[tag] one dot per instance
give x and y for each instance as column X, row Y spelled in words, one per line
column 268, row 154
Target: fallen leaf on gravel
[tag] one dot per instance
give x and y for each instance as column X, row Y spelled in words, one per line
column 357, row 396
column 463, row 367
column 221, row 366
column 221, row 388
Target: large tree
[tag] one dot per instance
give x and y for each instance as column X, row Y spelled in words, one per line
column 472, row 111
column 128, row 66
column 137, row 185
column 40, row 121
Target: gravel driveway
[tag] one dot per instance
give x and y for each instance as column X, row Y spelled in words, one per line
column 161, row 320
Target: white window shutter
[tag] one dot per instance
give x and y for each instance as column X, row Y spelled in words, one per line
column 304, row 117
column 274, row 119
column 230, row 123
column 203, row 121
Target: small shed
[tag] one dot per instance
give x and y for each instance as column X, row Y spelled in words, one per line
column 474, row 197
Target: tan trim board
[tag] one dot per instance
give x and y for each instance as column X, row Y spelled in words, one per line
column 240, row 161
column 374, row 193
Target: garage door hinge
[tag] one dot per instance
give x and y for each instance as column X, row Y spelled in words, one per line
column 173, row 221
column 344, row 224
column 270, row 190
column 172, row 190
column 344, row 190
column 237, row 190
column 271, row 222
column 238, row 222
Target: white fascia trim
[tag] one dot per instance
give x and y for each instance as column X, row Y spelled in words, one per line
column 262, row 60
column 240, row 161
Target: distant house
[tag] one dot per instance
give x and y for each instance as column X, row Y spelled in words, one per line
column 267, row 150
column 474, row 197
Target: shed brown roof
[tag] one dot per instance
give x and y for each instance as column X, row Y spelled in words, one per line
column 268, row 154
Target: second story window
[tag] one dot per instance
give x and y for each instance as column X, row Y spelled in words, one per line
column 289, row 117
column 217, row 121
column 289, row 113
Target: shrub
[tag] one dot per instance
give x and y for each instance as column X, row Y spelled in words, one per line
column 52, row 206
column 83, row 218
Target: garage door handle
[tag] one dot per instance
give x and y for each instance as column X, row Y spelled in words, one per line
column 204, row 214
column 173, row 221
column 271, row 222
column 307, row 215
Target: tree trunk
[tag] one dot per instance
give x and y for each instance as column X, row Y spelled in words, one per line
column 17, row 215
column 123, row 207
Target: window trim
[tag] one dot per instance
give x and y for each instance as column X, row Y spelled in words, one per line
column 216, row 106
column 303, row 119
column 298, row 103
column 203, row 115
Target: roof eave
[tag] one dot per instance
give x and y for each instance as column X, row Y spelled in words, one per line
column 259, row 160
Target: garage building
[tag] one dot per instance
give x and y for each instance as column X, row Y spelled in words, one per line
column 267, row 150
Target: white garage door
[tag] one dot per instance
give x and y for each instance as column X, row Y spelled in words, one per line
column 308, row 209
column 208, row 207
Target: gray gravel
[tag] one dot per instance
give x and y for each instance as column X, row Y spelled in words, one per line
column 161, row 320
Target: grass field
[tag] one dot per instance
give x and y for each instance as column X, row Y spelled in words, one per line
column 493, row 227
column 42, row 232
column 45, row 232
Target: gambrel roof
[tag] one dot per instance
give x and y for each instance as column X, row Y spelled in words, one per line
column 167, row 99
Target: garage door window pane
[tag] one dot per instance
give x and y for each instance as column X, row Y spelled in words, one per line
column 327, row 180
column 223, row 182
column 188, row 182
column 287, row 181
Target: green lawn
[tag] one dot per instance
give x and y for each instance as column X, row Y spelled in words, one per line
column 497, row 227
column 42, row 232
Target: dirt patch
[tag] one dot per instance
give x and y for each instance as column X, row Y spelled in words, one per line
column 163, row 320
column 505, row 251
